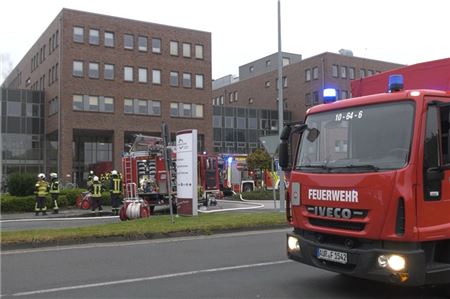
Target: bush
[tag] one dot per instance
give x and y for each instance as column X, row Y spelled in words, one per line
column 71, row 195
column 257, row 195
column 10, row 204
column 21, row 184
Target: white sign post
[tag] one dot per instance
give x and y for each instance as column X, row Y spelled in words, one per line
column 186, row 147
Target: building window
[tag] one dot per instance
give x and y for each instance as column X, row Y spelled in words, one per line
column 229, row 122
column 268, row 63
column 186, row 50
column 78, row 34
column 77, row 68
column 315, row 97
column 343, row 72
column 334, row 70
column 344, row 94
column 156, row 77
column 142, row 75
column 156, row 45
column 187, row 110
column 128, row 41
column 250, row 100
column 217, row 121
column 109, row 39
column 187, row 82
column 142, row 43
column 173, row 78
column 267, row 84
column 174, row 109
column 93, row 103
column 108, row 73
column 77, row 101
column 53, row 106
column 154, row 107
column 308, row 75
column 351, row 73
column 251, row 69
column 369, row 73
column 286, row 61
column 174, row 48
column 362, row 73
column 197, row 111
column 199, row 81
column 128, row 106
column 315, row 72
column 106, row 104
column 128, row 73
column 199, row 51
column 94, row 37
column 94, row 70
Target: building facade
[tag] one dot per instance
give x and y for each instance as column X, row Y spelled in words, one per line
column 23, row 131
column 107, row 78
column 246, row 108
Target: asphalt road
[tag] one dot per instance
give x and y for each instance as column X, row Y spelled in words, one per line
column 239, row 265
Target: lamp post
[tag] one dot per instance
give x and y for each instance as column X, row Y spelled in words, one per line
column 280, row 106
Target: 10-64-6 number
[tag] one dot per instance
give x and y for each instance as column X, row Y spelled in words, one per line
column 349, row 115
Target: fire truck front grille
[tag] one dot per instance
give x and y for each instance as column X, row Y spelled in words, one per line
column 353, row 226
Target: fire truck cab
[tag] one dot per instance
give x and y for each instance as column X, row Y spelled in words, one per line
column 369, row 187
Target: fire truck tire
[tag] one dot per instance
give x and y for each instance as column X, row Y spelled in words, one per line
column 123, row 214
column 85, row 204
column 248, row 188
column 144, row 212
column 152, row 209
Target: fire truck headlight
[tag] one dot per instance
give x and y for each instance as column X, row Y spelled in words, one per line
column 293, row 244
column 396, row 262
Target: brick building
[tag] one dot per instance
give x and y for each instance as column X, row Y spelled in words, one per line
column 245, row 108
column 107, row 78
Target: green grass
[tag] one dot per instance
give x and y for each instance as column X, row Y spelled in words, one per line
column 152, row 227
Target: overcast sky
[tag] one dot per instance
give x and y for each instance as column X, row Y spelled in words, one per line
column 405, row 32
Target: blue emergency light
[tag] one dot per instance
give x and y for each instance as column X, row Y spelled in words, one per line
column 329, row 95
column 395, row 83
column 230, row 159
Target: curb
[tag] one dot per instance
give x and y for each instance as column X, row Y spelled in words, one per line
column 140, row 237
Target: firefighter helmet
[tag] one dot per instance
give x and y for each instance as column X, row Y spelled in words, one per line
column 41, row 176
column 95, row 178
column 53, row 175
column 91, row 172
column 114, row 172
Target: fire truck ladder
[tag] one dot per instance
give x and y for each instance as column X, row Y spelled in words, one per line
column 130, row 191
column 127, row 170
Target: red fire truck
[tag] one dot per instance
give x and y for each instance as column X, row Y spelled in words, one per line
column 236, row 176
column 144, row 173
column 369, row 187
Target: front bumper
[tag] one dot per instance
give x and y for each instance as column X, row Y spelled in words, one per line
column 362, row 260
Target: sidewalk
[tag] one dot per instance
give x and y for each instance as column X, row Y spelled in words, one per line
column 63, row 213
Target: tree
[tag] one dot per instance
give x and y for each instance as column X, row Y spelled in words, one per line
column 259, row 159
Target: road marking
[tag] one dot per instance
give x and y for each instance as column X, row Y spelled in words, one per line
column 140, row 279
column 59, row 219
column 145, row 242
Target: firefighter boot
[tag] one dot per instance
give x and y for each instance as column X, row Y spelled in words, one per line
column 36, row 214
column 44, row 213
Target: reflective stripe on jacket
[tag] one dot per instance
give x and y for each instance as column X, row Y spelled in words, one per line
column 41, row 188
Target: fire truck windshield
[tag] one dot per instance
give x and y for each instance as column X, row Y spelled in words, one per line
column 358, row 139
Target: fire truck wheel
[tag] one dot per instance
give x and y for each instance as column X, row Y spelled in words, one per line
column 152, row 210
column 123, row 214
column 144, row 212
column 85, row 204
column 78, row 201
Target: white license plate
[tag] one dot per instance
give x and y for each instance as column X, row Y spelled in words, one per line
column 331, row 255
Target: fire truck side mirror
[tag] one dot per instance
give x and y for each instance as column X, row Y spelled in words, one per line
column 283, row 154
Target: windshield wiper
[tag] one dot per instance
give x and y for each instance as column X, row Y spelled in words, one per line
column 359, row 166
column 319, row 166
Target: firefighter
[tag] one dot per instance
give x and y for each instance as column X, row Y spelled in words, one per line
column 90, row 178
column 115, row 189
column 96, row 189
column 54, row 191
column 41, row 191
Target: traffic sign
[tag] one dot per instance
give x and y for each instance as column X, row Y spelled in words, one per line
column 270, row 143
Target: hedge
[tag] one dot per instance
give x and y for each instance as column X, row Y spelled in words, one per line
column 67, row 198
column 258, row 195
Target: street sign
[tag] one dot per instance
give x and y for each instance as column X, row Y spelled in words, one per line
column 270, row 143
